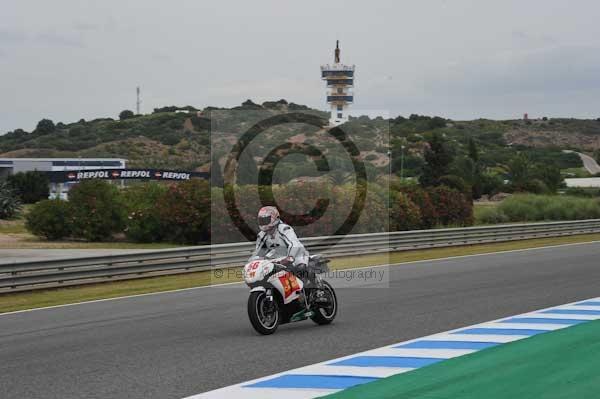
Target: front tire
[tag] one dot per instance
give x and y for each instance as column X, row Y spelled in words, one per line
column 264, row 320
column 325, row 315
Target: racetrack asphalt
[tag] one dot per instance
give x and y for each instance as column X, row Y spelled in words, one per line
column 173, row 345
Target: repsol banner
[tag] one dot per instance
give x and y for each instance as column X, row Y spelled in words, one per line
column 124, row 174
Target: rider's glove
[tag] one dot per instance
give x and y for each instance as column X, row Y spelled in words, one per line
column 287, row 261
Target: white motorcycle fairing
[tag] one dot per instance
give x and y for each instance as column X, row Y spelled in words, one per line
column 286, row 283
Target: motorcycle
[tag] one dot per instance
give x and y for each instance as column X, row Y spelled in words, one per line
column 278, row 296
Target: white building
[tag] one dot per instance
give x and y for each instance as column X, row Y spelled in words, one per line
column 340, row 81
column 584, row 182
column 9, row 166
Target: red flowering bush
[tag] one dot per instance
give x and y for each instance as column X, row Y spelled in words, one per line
column 97, row 209
column 192, row 212
column 313, row 209
column 453, row 208
column 184, row 212
column 404, row 214
column 143, row 223
column 427, row 210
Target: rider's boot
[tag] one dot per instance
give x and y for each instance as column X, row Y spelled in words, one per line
column 319, row 294
column 310, row 280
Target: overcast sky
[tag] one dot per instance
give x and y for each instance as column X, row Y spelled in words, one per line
column 461, row 59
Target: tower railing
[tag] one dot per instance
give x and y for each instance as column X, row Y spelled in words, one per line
column 337, row 67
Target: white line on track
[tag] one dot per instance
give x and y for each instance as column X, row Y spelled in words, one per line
column 354, row 268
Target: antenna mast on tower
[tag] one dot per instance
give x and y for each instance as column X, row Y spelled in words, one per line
column 138, row 101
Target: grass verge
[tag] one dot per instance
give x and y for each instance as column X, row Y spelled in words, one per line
column 51, row 297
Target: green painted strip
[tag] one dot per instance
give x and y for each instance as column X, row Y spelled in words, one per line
column 562, row 364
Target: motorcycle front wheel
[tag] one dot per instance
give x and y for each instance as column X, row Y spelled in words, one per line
column 263, row 313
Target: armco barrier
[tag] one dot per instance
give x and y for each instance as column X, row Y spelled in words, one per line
column 23, row 276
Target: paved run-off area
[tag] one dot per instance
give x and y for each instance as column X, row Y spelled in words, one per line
column 556, row 365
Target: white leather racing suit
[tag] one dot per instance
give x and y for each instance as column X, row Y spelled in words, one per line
column 284, row 241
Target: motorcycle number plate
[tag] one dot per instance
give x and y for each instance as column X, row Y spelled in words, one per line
column 290, row 284
column 254, row 265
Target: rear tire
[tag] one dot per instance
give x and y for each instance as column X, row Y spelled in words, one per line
column 326, row 315
column 263, row 323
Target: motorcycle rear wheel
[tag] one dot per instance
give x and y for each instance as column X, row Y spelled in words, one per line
column 264, row 322
column 325, row 315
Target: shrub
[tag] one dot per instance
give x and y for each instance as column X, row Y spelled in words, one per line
column 491, row 184
column 184, row 211
column 143, row 223
column 457, row 183
column 490, row 215
column 521, row 208
column 126, row 114
column 582, row 192
column 420, row 197
column 404, row 214
column 51, row 219
column 452, row 207
column 305, row 212
column 30, row 186
column 536, row 186
column 10, row 205
column 45, row 126
column 529, row 207
column 97, row 208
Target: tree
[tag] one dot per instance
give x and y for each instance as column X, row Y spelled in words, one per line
column 491, row 184
column 550, row 175
column 185, row 211
column 10, row 205
column 98, row 211
column 404, row 214
column 143, row 223
column 247, row 171
column 126, row 114
column 30, row 186
column 437, row 161
column 249, row 104
column 51, row 219
column 519, row 171
column 473, row 150
column 457, row 183
column 216, row 175
column 437, row 122
column 473, row 170
column 452, row 207
column 45, row 126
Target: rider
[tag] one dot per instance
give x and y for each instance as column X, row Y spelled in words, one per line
column 274, row 234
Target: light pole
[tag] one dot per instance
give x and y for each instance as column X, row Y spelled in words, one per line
column 389, row 154
column 402, row 164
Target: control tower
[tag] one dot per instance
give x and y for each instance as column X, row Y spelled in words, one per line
column 340, row 81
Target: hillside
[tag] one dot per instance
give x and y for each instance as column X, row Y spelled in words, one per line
column 181, row 138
